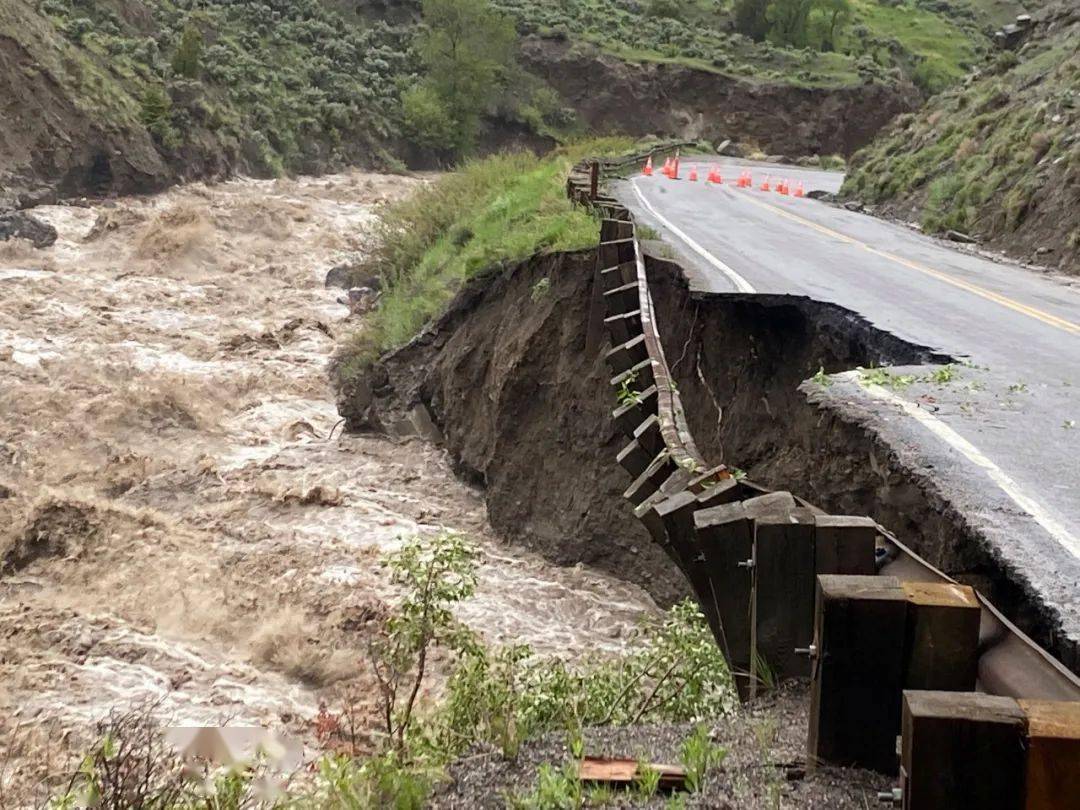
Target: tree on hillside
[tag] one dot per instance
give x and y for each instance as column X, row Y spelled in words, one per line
column 797, row 23
column 466, row 47
column 751, row 19
column 186, row 59
column 834, row 16
column 789, row 21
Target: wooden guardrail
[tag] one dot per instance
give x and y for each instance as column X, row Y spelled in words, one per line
column 889, row 642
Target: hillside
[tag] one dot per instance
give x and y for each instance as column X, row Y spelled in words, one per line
column 997, row 158
column 115, row 96
column 95, row 96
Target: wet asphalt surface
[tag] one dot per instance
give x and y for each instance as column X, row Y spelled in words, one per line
column 1002, row 435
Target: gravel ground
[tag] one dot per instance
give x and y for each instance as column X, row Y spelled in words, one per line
column 765, row 766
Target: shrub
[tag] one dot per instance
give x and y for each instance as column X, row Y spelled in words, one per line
column 428, row 122
column 944, row 208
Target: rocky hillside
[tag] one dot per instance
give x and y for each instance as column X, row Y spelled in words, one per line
column 997, row 158
column 113, row 96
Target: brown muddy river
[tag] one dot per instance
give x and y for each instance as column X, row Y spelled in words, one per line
column 165, row 447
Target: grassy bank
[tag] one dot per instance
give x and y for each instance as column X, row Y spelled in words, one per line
column 493, row 211
column 996, row 158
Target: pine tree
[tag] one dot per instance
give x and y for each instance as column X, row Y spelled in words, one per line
column 186, row 59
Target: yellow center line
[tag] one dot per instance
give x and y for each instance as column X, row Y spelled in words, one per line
column 989, row 295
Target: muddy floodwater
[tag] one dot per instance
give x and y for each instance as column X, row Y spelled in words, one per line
column 192, row 529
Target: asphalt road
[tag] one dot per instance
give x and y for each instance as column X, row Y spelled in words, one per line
column 1003, row 436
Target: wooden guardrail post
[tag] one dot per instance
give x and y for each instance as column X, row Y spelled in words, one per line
column 858, row 671
column 875, row 637
column 1052, row 770
column 962, row 750
column 783, row 593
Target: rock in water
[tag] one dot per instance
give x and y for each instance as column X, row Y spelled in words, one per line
column 18, row 224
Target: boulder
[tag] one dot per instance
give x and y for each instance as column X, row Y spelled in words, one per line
column 730, row 149
column 346, row 276
column 20, row 225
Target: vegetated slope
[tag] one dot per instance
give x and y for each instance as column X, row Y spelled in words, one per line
column 933, row 42
column 998, row 158
column 128, row 95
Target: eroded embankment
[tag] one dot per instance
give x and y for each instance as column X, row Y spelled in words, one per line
column 526, row 410
column 748, row 360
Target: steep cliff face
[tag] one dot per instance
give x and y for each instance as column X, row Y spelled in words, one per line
column 52, row 140
column 526, row 412
column 612, row 95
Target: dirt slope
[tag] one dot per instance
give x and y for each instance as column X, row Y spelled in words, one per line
column 49, row 137
column 527, row 413
column 612, row 95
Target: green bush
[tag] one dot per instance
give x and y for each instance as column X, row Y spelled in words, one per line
column 428, row 122
column 944, row 209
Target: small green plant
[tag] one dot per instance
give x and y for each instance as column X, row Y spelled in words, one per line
column 575, row 742
column 699, row 755
column 821, row 378
column 646, row 780
column 1069, row 424
column 556, row 789
column 941, row 376
column 647, row 232
column 434, row 574
column 1018, row 388
column 764, row 673
column 738, row 474
column 884, row 378
column 540, row 289
column 627, row 395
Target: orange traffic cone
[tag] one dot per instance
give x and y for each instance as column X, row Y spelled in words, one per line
column 693, row 175
column 799, row 192
column 765, row 185
column 783, row 187
column 675, row 169
column 667, row 167
column 647, row 171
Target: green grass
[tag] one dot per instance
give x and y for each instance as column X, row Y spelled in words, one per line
column 493, row 211
column 980, row 158
column 934, row 47
column 944, row 51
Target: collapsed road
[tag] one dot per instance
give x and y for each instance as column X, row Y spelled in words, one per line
column 999, row 429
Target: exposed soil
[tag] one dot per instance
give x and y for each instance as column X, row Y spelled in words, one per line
column 179, row 518
column 611, row 95
column 527, row 413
